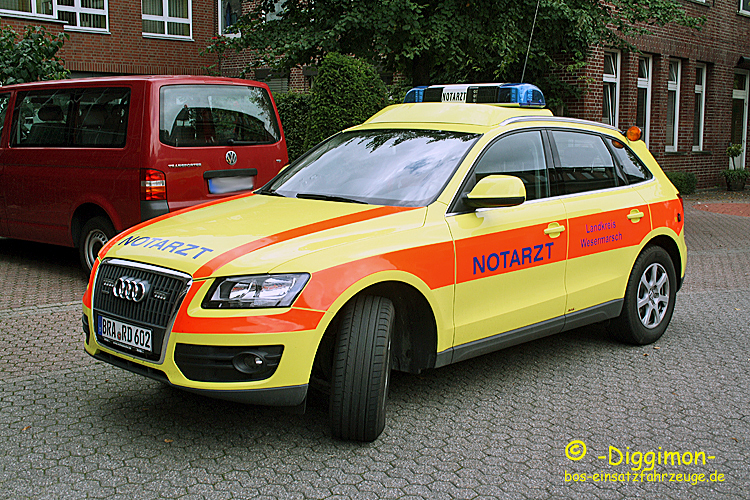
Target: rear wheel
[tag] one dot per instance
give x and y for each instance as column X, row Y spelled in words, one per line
column 95, row 234
column 649, row 298
column 361, row 369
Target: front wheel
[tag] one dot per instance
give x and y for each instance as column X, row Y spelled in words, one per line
column 361, row 369
column 95, row 234
column 649, row 298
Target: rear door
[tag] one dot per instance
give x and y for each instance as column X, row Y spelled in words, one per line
column 607, row 221
column 215, row 139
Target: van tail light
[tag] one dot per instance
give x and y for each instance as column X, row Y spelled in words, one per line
column 153, row 185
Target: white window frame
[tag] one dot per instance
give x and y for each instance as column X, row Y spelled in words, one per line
column 165, row 18
column 645, row 83
column 78, row 10
column 742, row 9
column 31, row 15
column 221, row 28
column 743, row 95
column 674, row 86
column 700, row 94
column 606, row 78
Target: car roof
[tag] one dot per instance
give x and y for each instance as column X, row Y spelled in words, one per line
column 458, row 116
column 120, row 80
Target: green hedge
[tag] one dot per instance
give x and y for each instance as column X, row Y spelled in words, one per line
column 346, row 92
column 684, row 181
column 294, row 108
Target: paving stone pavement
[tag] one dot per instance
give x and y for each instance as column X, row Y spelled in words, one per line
column 493, row 427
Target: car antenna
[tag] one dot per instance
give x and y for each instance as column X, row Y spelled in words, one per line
column 531, row 35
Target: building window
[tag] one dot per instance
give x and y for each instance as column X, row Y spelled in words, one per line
column 699, row 116
column 738, row 127
column 33, row 7
column 168, row 18
column 745, row 7
column 673, row 104
column 83, row 14
column 611, row 94
column 643, row 102
column 229, row 12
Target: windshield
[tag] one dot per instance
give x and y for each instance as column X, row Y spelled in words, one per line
column 406, row 168
column 216, row 115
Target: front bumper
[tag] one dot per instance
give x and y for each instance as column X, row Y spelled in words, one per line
column 221, row 365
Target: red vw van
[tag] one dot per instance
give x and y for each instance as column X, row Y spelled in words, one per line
column 81, row 160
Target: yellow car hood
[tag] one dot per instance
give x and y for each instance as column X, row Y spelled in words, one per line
column 217, row 239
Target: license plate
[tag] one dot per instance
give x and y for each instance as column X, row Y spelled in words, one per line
column 124, row 334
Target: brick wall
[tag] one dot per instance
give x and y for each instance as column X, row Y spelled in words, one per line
column 724, row 39
column 125, row 50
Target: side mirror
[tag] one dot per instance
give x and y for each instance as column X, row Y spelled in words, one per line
column 496, row 191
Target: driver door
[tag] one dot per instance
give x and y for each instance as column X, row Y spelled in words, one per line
column 510, row 261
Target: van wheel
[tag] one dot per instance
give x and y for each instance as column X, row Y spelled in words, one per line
column 649, row 298
column 94, row 235
column 361, row 369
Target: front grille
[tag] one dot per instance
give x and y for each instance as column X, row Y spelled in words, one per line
column 166, row 289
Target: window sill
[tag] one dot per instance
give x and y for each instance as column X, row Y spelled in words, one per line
column 168, row 37
column 675, row 153
column 31, row 17
column 88, row 30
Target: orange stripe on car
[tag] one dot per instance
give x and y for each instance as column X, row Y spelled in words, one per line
column 605, row 231
column 217, row 262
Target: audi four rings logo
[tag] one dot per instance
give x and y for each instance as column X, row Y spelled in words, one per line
column 231, row 157
column 131, row 289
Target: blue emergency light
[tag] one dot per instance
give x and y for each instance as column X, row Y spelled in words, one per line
column 521, row 94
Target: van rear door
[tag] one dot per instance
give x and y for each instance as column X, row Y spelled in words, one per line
column 216, row 139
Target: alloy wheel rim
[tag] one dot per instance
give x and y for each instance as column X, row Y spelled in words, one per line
column 653, row 295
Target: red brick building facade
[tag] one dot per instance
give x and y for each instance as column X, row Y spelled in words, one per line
column 689, row 90
column 126, row 36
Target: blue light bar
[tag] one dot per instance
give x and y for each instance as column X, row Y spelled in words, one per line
column 520, row 94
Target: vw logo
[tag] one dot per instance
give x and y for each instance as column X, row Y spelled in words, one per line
column 231, row 157
column 131, row 289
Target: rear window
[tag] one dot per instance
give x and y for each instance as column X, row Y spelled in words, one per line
column 216, row 115
column 91, row 117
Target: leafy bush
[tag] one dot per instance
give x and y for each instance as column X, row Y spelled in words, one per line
column 294, row 109
column 684, row 181
column 30, row 57
column 346, row 92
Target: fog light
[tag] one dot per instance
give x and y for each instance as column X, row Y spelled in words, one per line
column 251, row 363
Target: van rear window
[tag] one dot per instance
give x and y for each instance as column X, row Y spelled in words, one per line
column 216, row 115
column 78, row 118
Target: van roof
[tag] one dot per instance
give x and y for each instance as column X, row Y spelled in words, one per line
column 120, row 80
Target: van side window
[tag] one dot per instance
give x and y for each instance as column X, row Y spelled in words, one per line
column 102, row 118
column 3, row 108
column 585, row 162
column 216, row 115
column 520, row 155
column 41, row 118
column 634, row 169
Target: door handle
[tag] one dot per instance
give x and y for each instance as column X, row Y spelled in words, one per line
column 635, row 215
column 554, row 229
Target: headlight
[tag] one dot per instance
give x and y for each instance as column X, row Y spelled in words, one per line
column 248, row 292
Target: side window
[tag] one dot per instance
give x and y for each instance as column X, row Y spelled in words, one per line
column 102, row 118
column 41, row 118
column 585, row 162
column 634, row 169
column 521, row 155
column 3, row 108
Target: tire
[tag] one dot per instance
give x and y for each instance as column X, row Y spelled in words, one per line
column 649, row 298
column 361, row 369
column 95, row 234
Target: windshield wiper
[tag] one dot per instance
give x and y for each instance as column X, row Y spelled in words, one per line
column 269, row 192
column 314, row 196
